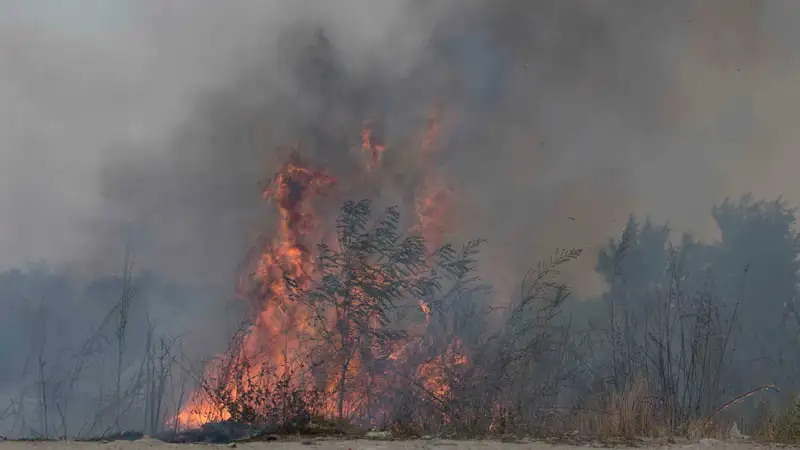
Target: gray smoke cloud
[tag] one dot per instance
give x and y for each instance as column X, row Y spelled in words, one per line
column 163, row 118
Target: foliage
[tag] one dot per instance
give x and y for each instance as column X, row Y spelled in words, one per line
column 360, row 282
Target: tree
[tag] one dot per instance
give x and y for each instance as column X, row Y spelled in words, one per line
column 758, row 238
column 635, row 268
column 358, row 281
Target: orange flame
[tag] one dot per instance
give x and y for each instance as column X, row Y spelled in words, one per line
column 425, row 309
column 280, row 325
column 437, row 380
column 282, row 333
column 370, row 144
column 433, row 198
column 430, row 139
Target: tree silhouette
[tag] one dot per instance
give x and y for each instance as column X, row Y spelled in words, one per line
column 758, row 239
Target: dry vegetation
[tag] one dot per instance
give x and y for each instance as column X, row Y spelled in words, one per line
column 664, row 374
column 377, row 328
column 367, row 354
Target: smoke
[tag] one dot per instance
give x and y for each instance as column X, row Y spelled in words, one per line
column 158, row 122
column 162, row 119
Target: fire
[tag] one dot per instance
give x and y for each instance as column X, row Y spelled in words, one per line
column 435, row 374
column 371, row 144
column 432, row 207
column 433, row 199
column 199, row 412
column 280, row 321
column 425, row 309
column 430, row 139
column 276, row 336
column 280, row 350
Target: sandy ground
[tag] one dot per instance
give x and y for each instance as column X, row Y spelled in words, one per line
column 145, row 444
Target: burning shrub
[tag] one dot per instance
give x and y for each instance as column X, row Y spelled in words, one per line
column 241, row 387
column 358, row 285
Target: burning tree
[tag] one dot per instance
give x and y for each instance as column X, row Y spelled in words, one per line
column 359, row 283
column 329, row 325
column 345, row 326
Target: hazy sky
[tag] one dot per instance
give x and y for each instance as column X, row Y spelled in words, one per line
column 590, row 109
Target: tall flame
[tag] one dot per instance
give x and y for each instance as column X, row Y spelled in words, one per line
column 280, row 326
column 433, row 198
column 278, row 344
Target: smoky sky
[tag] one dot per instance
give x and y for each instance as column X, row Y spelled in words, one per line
column 160, row 120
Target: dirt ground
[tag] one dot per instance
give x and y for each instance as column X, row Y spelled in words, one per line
column 145, row 444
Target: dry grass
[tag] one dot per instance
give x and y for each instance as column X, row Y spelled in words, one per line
column 780, row 426
column 627, row 413
column 635, row 413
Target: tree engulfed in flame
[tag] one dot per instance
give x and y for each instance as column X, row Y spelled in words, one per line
column 320, row 325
